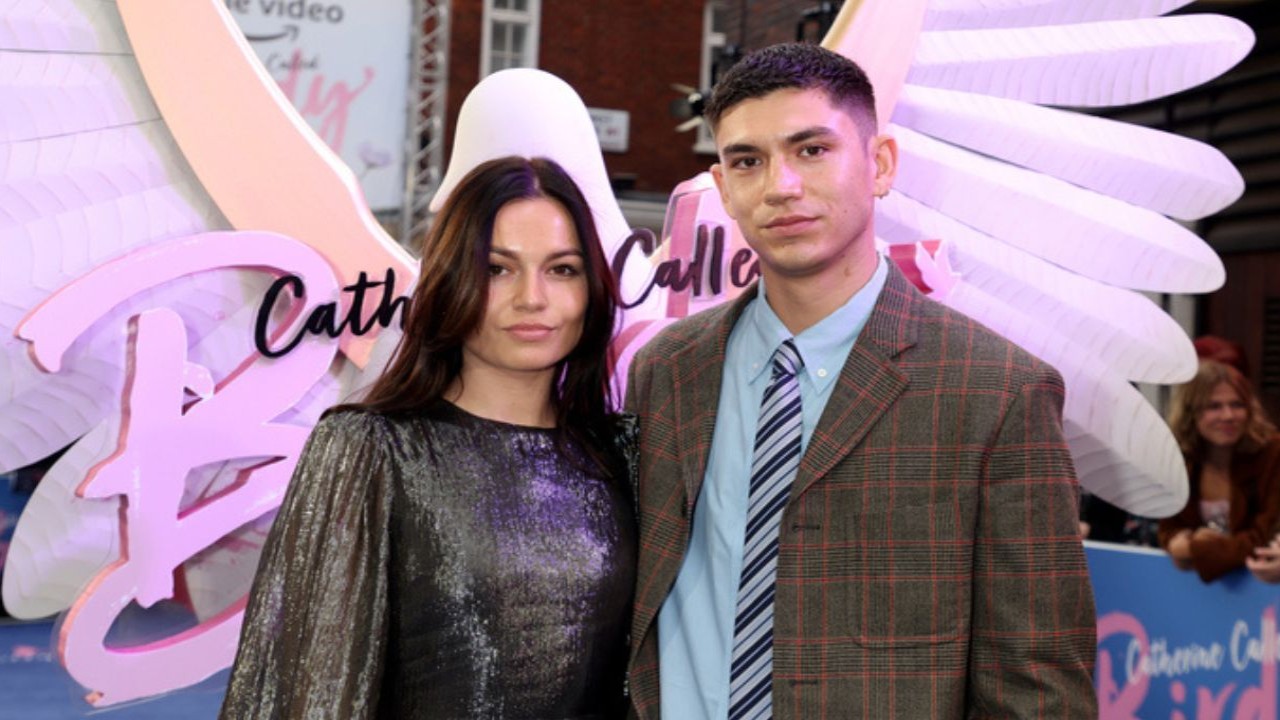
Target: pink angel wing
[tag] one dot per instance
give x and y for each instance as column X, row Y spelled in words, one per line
column 105, row 150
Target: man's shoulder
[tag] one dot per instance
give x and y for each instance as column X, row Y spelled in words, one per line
column 951, row 335
column 679, row 335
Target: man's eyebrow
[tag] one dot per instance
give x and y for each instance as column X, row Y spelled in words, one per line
column 739, row 149
column 795, row 138
column 817, row 131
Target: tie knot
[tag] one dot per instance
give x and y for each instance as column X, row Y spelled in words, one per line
column 786, row 359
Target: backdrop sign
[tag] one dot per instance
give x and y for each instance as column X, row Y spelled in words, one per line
column 1170, row 646
column 344, row 64
column 134, row 346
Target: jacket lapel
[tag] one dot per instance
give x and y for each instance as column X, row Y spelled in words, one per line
column 699, row 369
column 696, row 373
column 869, row 382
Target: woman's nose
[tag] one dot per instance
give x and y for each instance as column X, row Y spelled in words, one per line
column 531, row 294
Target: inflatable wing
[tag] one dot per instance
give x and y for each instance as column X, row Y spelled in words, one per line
column 1050, row 220
column 154, row 186
column 1044, row 223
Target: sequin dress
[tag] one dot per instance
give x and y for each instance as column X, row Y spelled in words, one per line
column 440, row 566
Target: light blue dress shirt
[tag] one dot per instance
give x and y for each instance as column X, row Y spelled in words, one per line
column 695, row 623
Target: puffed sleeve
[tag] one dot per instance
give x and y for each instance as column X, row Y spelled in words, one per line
column 314, row 635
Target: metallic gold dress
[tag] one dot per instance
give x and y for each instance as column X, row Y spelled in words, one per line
column 441, row 565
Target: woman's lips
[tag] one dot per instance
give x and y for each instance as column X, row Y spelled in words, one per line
column 530, row 332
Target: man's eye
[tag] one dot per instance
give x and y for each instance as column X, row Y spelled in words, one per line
column 813, row 151
column 745, row 162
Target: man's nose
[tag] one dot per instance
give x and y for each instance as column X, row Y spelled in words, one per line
column 784, row 182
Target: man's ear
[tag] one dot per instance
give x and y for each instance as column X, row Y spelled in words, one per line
column 884, row 153
column 717, row 174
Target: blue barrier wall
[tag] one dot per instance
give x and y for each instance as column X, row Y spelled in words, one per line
column 1170, row 646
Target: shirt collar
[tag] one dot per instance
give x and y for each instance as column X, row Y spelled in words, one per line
column 825, row 345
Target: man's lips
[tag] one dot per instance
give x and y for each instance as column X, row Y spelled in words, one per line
column 790, row 223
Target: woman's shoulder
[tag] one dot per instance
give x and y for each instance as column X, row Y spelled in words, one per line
column 350, row 453
column 1269, row 453
column 1258, row 466
column 354, row 428
column 352, row 420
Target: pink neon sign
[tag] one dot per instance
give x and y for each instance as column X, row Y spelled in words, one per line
column 164, row 436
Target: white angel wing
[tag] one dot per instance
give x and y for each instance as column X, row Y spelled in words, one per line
column 92, row 168
column 1052, row 219
column 87, row 171
column 554, row 123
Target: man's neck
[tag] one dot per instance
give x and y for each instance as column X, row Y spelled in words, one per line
column 801, row 302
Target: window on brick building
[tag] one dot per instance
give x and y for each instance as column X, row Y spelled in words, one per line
column 713, row 27
column 510, row 35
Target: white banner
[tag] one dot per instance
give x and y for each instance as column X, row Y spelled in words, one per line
column 345, row 66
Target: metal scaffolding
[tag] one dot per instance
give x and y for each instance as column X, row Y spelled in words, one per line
column 424, row 132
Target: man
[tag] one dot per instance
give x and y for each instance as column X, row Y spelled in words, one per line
column 855, row 502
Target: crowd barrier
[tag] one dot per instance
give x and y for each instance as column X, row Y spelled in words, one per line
column 1171, row 646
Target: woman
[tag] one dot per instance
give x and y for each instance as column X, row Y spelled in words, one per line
column 1233, row 463
column 462, row 543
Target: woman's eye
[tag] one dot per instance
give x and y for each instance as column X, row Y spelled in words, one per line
column 496, row 269
column 566, row 270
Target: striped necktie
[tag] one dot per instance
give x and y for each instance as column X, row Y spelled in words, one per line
column 773, row 467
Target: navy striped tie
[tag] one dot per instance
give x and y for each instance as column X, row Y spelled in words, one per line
column 773, row 467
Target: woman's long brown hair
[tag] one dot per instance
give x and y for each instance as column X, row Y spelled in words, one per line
column 449, row 303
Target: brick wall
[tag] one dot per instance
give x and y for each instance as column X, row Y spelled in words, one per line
column 767, row 21
column 618, row 54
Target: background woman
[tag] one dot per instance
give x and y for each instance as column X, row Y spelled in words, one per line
column 462, row 543
column 1233, row 463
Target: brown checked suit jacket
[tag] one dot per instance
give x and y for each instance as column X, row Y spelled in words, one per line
column 930, row 564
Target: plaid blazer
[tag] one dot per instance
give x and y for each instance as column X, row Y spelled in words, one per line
column 930, row 564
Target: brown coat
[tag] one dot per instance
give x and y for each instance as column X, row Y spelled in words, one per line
column 930, row 564
column 1255, row 510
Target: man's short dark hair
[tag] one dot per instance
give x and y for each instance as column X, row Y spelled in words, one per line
column 802, row 66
